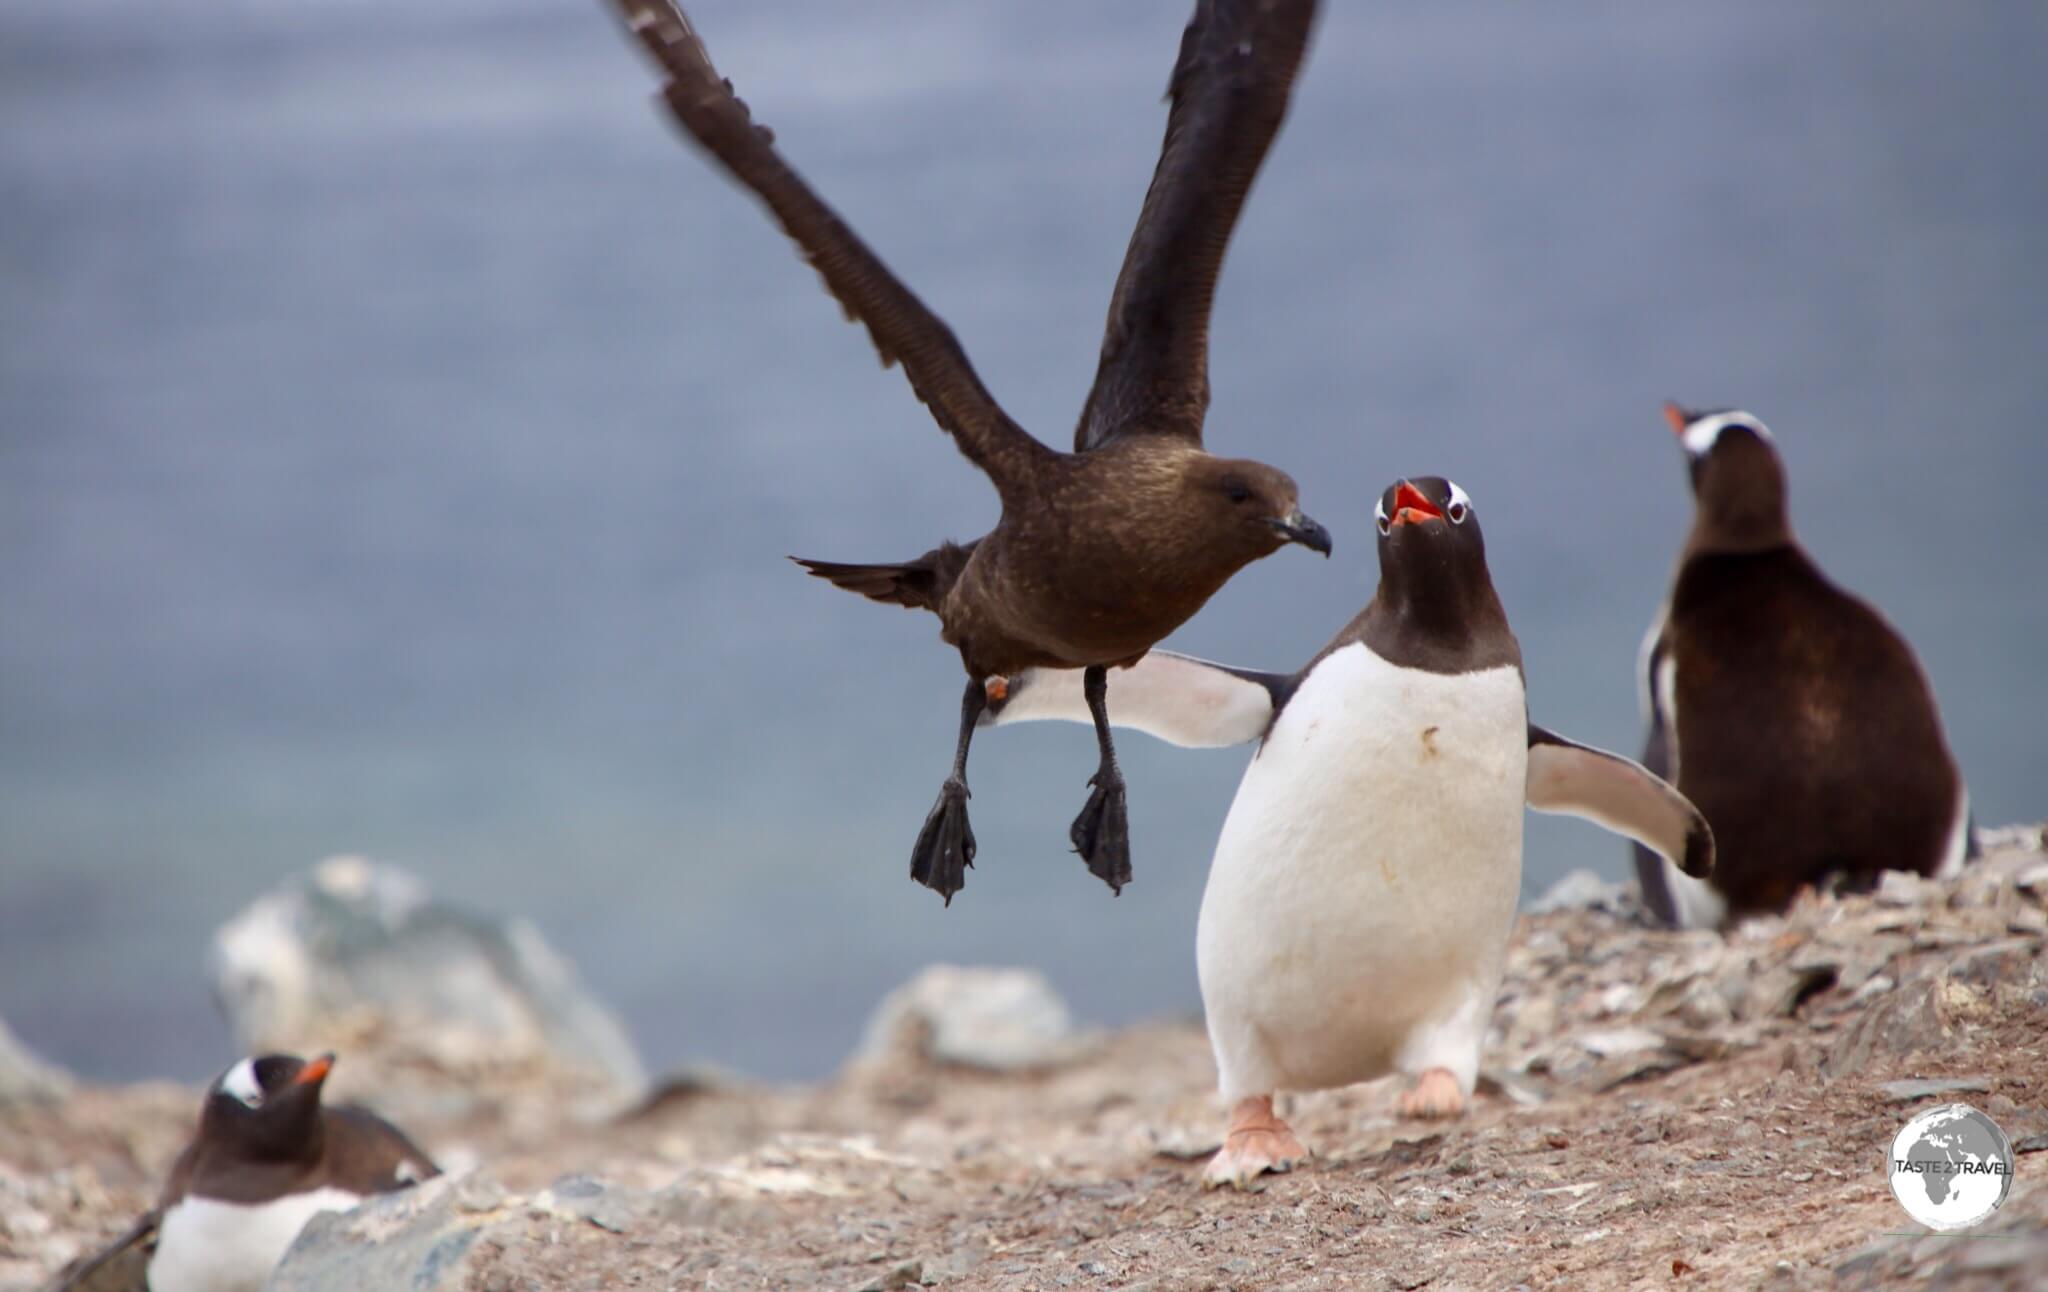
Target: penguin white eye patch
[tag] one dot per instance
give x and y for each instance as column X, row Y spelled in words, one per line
column 1457, row 508
column 1700, row 436
column 241, row 1083
column 1460, row 505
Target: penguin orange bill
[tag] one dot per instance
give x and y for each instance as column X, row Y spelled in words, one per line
column 314, row 1070
column 1411, row 508
column 1676, row 416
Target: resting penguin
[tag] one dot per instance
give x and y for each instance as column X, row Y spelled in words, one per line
column 1789, row 710
column 1359, row 903
column 268, row 1157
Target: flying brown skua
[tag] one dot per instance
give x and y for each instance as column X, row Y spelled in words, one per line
column 1101, row 552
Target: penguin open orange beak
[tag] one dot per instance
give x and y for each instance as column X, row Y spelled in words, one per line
column 1411, row 508
column 314, row 1071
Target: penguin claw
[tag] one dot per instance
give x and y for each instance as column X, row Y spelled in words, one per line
column 1102, row 833
column 1434, row 1095
column 945, row 846
column 1240, row 1168
column 1258, row 1142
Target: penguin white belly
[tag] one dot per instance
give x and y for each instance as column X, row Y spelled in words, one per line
column 1957, row 850
column 1696, row 903
column 206, row 1245
column 1359, row 904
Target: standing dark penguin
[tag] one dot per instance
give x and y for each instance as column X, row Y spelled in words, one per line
column 1101, row 552
column 1358, row 907
column 1789, row 710
column 267, row 1158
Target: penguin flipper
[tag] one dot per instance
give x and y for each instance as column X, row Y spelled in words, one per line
column 1621, row 795
column 1178, row 698
column 121, row 1266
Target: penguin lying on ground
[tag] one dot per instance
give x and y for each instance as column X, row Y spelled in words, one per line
column 1359, row 904
column 267, row 1158
column 1808, row 734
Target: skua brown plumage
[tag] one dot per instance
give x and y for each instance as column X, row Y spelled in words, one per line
column 1101, row 552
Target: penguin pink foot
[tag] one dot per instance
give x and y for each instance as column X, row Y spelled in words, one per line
column 1258, row 1142
column 1434, row 1095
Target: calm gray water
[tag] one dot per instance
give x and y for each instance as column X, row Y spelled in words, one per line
column 401, row 434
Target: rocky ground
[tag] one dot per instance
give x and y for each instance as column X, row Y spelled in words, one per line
column 1658, row 1109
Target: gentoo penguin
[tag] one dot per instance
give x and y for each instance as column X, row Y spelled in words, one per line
column 268, row 1157
column 1794, row 716
column 1362, row 892
column 1101, row 552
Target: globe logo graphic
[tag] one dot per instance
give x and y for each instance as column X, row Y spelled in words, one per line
column 1950, row 1167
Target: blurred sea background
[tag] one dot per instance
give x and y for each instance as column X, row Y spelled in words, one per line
column 401, row 434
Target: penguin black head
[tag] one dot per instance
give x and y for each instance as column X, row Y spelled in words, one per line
column 267, row 1107
column 1432, row 555
column 1440, row 514
column 1738, row 481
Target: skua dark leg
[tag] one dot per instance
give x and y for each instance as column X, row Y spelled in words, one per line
column 945, row 847
column 1102, row 833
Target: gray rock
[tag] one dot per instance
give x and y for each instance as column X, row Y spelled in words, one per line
column 468, row 1234
column 361, row 951
column 1185, row 1143
column 958, row 1264
column 1001, row 1020
column 1901, row 888
column 1502, row 1084
column 1633, row 1065
column 1909, row 1020
column 1778, row 992
column 2014, row 838
column 1704, row 1004
column 908, row 1275
column 1622, row 1040
column 1912, row 1091
column 1583, row 890
column 2007, row 1251
column 2030, row 1252
column 590, row 1199
column 2010, row 963
column 1874, row 986
column 421, row 1238
column 25, row 1078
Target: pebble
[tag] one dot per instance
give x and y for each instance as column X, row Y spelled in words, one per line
column 1906, row 1092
